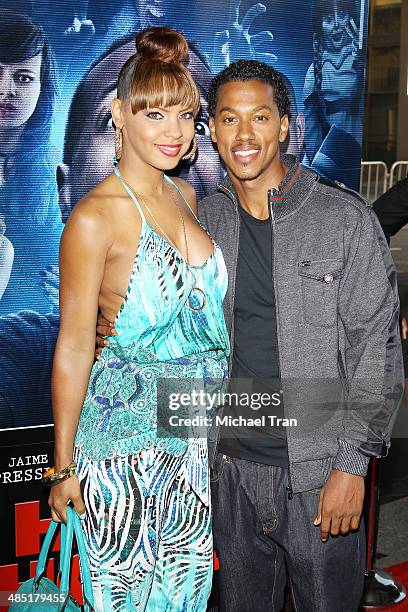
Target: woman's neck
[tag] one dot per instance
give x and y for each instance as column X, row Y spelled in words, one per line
column 9, row 141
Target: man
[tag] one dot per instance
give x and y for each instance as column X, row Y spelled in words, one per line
column 392, row 211
column 312, row 306
column 392, row 208
column 325, row 255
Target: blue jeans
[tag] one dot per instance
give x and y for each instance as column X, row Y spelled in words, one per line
column 264, row 540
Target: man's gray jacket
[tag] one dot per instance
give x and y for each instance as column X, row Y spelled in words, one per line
column 337, row 312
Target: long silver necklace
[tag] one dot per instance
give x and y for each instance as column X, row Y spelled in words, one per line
column 196, row 299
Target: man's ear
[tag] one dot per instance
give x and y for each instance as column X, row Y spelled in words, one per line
column 211, row 125
column 64, row 191
column 284, row 128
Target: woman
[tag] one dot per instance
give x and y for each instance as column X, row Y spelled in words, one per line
column 144, row 483
column 333, row 92
column 28, row 194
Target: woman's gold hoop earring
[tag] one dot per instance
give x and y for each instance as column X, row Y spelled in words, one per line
column 191, row 154
column 118, row 143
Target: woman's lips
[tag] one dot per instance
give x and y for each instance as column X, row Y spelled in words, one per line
column 7, row 109
column 169, row 150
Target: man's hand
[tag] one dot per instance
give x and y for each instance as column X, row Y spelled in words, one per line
column 404, row 337
column 103, row 328
column 404, row 328
column 340, row 504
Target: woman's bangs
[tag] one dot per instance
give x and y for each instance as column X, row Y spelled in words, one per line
column 162, row 89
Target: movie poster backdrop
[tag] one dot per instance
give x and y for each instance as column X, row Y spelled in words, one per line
column 56, row 143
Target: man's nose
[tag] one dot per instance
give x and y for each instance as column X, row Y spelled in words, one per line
column 245, row 130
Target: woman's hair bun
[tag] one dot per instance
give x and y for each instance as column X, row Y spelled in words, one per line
column 162, row 45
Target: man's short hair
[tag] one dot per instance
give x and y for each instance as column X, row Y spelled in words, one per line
column 250, row 70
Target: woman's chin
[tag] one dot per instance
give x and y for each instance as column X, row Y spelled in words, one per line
column 166, row 165
column 11, row 123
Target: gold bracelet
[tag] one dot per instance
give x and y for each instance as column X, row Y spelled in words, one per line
column 51, row 477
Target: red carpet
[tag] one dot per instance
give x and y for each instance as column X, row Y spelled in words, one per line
column 400, row 572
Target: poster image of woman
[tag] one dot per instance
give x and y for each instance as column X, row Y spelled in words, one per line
column 333, row 91
column 28, row 193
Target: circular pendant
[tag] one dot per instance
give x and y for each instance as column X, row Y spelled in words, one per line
column 196, row 300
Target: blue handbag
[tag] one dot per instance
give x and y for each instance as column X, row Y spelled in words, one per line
column 40, row 593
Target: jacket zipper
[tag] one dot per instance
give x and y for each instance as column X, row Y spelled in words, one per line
column 271, row 194
column 236, row 246
column 237, row 229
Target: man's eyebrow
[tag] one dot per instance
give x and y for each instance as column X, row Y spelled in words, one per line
column 229, row 109
column 261, row 107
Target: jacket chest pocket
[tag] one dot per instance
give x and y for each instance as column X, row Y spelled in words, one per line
column 320, row 287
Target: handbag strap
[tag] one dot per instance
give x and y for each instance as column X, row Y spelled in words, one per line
column 83, row 561
column 42, row 559
column 66, row 550
column 73, row 526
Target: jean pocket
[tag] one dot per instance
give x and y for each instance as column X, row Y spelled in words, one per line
column 218, row 467
column 320, row 287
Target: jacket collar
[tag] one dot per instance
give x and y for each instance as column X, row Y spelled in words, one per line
column 291, row 192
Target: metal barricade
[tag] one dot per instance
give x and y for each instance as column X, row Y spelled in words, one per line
column 399, row 170
column 373, row 179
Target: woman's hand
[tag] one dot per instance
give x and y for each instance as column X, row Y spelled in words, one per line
column 60, row 496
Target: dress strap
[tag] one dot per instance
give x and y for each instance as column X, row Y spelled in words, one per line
column 184, row 199
column 130, row 192
column 191, row 210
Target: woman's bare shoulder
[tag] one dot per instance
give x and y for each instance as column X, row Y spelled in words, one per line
column 97, row 206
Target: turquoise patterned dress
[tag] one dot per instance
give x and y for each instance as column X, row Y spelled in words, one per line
column 145, row 482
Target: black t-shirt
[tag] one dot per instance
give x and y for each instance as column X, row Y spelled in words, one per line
column 255, row 365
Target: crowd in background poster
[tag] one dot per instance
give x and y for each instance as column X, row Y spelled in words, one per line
column 56, row 143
